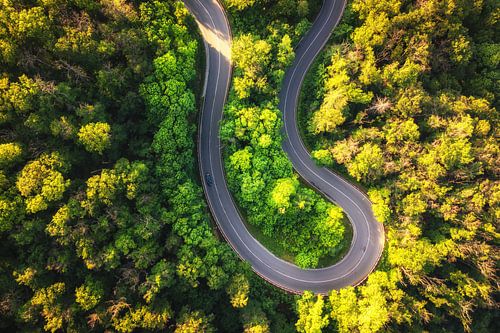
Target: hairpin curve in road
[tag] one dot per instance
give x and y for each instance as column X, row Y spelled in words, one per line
column 368, row 234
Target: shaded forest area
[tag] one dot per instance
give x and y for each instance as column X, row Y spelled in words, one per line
column 103, row 224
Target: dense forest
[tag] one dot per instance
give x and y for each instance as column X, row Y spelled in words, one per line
column 404, row 102
column 292, row 219
column 103, row 224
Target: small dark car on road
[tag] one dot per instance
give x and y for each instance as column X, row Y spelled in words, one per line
column 209, row 179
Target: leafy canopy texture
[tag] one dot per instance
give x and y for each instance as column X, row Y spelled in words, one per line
column 103, row 225
column 41, row 182
column 95, row 137
column 404, row 102
column 293, row 221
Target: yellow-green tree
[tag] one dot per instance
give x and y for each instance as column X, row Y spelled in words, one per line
column 194, row 322
column 10, row 153
column 95, row 137
column 238, row 291
column 310, row 311
column 41, row 181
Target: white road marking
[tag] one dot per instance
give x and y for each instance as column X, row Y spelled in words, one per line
column 219, row 48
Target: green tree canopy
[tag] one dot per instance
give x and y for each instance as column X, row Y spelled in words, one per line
column 95, row 137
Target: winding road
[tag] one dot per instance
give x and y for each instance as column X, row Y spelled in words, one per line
column 368, row 235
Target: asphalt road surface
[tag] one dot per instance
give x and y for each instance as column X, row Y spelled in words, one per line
column 368, row 234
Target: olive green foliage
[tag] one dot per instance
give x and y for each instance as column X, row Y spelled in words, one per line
column 41, row 182
column 259, row 173
column 89, row 294
column 369, row 308
column 254, row 320
column 103, row 225
column 10, row 153
column 238, row 291
column 404, row 101
column 95, row 137
column 239, row 4
column 110, row 232
column 291, row 8
column 310, row 311
column 194, row 322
